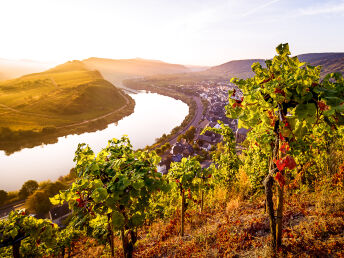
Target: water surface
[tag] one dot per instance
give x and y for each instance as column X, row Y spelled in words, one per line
column 153, row 116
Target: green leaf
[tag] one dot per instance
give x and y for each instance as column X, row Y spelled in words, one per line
column 304, row 111
column 99, row 194
column 283, row 49
column 117, row 220
column 138, row 184
column 111, row 202
column 56, row 200
column 137, row 219
column 14, row 232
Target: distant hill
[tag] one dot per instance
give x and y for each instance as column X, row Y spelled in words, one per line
column 236, row 68
column 66, row 94
column 330, row 62
column 10, row 69
column 197, row 68
column 117, row 70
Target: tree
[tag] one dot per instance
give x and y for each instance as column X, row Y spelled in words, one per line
column 39, row 202
column 113, row 189
column 54, row 188
column 28, row 188
column 283, row 104
column 182, row 176
column 3, row 196
column 190, row 133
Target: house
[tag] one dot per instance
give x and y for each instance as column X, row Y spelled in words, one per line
column 188, row 150
column 177, row 158
column 162, row 168
column 206, row 146
column 58, row 213
column 241, row 135
column 183, row 148
column 204, row 138
column 177, row 148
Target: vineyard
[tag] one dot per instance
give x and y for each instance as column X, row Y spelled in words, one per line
column 281, row 195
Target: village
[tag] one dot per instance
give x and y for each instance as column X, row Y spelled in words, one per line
column 196, row 141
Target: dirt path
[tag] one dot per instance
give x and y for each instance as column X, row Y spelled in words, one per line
column 22, row 112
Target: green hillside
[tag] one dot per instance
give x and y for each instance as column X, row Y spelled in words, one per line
column 66, row 99
column 68, row 93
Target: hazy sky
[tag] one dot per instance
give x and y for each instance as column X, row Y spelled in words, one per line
column 200, row 32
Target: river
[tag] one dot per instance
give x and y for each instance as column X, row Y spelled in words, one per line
column 153, row 116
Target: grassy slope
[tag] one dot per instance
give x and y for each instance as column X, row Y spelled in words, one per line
column 66, row 94
column 232, row 227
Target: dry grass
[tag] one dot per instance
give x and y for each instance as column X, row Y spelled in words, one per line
column 232, row 227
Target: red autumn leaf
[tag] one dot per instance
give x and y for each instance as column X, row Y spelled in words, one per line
column 322, row 106
column 280, row 164
column 285, row 148
column 286, row 162
column 281, row 137
column 265, row 81
column 280, row 179
column 279, row 91
column 290, row 162
column 236, row 104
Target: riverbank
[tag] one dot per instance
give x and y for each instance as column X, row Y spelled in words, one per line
column 12, row 141
column 192, row 119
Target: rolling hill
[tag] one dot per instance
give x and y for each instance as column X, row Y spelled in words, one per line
column 67, row 94
column 117, row 70
column 330, row 62
column 236, row 68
